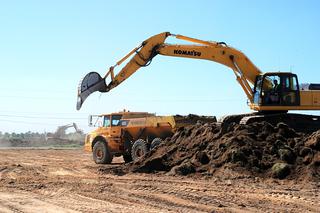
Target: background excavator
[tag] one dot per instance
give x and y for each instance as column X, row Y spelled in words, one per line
column 270, row 94
column 60, row 133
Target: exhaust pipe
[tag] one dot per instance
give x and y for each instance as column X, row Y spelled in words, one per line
column 91, row 83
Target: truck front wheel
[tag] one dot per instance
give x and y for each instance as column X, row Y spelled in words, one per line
column 139, row 149
column 101, row 153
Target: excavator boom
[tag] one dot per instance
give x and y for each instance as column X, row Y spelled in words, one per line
column 271, row 94
column 142, row 55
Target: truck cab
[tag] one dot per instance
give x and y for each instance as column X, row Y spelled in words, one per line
column 109, row 128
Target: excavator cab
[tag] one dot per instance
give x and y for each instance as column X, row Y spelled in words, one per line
column 276, row 89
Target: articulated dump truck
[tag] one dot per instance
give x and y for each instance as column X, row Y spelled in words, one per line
column 132, row 134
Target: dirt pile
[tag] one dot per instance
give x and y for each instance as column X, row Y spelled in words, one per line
column 258, row 149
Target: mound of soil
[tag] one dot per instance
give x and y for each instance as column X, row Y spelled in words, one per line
column 258, row 149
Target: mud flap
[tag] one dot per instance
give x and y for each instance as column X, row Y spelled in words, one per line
column 91, row 83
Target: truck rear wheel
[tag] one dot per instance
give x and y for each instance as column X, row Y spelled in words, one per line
column 101, row 153
column 139, row 149
column 155, row 142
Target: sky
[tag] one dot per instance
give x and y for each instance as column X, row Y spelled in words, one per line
column 46, row 47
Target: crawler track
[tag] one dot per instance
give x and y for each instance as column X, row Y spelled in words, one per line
column 299, row 122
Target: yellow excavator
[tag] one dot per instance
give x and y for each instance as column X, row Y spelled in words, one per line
column 271, row 94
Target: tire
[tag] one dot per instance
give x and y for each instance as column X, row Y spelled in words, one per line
column 127, row 158
column 155, row 142
column 101, row 153
column 139, row 149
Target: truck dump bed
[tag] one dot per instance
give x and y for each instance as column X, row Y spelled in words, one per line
column 174, row 122
column 191, row 119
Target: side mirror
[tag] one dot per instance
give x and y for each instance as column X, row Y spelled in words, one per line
column 90, row 121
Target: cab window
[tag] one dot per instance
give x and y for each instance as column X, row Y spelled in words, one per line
column 270, row 93
column 290, row 83
column 280, row 90
column 271, row 83
column 106, row 121
column 294, row 84
column 290, row 93
column 116, row 120
column 257, row 90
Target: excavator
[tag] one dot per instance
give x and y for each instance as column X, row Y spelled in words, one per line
column 60, row 133
column 270, row 94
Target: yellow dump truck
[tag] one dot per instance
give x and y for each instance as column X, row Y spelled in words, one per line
column 132, row 134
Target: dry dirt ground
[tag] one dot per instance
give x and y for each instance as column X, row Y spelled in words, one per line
column 34, row 180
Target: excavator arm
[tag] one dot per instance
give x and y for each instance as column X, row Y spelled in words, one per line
column 244, row 70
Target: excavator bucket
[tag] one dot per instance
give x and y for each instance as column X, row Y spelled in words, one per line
column 91, row 83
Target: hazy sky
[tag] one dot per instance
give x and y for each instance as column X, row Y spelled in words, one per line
column 48, row 46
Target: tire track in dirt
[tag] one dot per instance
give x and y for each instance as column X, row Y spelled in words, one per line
column 179, row 196
column 215, row 194
column 69, row 181
column 121, row 195
column 20, row 202
column 152, row 194
column 6, row 207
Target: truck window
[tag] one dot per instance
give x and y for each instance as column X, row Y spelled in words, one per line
column 106, row 121
column 115, row 120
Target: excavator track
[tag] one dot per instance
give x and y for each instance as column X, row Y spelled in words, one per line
column 298, row 122
column 226, row 121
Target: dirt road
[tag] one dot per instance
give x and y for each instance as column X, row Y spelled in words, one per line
column 69, row 181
